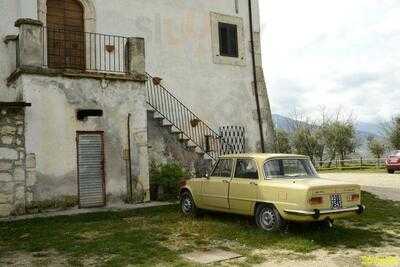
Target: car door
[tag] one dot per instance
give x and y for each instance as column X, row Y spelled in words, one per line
column 243, row 189
column 215, row 188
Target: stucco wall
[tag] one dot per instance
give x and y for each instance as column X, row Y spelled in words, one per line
column 179, row 48
column 8, row 15
column 51, row 126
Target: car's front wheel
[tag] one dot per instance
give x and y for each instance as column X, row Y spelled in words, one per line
column 390, row 171
column 268, row 218
column 188, row 207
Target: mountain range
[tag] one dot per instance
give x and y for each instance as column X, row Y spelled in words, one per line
column 364, row 129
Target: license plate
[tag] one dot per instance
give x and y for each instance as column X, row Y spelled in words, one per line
column 336, row 201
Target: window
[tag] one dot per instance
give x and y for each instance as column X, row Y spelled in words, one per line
column 223, row 168
column 246, row 169
column 228, row 39
column 289, row 168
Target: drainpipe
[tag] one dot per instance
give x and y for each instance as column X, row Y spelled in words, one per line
column 253, row 56
column 129, row 159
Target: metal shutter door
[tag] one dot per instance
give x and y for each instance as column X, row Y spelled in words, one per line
column 91, row 170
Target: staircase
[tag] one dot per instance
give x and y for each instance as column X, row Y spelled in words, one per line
column 191, row 131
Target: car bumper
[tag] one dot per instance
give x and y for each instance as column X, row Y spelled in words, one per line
column 316, row 214
column 393, row 167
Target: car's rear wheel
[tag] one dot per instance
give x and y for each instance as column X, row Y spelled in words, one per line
column 390, row 171
column 188, row 207
column 268, row 218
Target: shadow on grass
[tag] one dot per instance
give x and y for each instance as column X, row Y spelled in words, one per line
column 298, row 237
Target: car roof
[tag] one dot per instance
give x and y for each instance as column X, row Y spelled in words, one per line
column 263, row 156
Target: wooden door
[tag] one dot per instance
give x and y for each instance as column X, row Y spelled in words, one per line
column 65, row 34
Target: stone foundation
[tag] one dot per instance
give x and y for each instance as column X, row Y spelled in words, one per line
column 12, row 160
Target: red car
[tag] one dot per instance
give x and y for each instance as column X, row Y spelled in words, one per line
column 393, row 162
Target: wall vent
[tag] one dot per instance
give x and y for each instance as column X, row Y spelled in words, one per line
column 82, row 114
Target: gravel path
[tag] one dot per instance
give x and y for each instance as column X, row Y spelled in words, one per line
column 384, row 185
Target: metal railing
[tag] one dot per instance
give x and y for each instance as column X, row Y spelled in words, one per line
column 69, row 49
column 188, row 124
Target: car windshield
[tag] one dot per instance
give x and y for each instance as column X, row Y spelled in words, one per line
column 289, row 168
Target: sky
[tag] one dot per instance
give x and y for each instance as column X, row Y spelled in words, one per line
column 332, row 55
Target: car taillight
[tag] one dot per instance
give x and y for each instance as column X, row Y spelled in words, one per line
column 316, row 200
column 353, row 197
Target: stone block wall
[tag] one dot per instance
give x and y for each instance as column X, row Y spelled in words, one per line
column 12, row 160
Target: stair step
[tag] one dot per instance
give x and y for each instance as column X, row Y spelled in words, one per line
column 183, row 139
column 175, row 132
column 191, row 145
column 158, row 118
column 198, row 150
column 167, row 125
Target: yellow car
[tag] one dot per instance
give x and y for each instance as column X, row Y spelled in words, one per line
column 274, row 188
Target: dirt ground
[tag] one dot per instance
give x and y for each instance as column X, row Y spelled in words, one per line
column 384, row 185
column 385, row 256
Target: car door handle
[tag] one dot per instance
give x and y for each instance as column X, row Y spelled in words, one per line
column 253, row 183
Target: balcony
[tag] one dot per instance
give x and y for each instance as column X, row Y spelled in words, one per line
column 87, row 51
column 55, row 51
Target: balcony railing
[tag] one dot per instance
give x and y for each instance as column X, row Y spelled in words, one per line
column 69, row 49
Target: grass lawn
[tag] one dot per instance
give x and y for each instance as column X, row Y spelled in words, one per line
column 159, row 235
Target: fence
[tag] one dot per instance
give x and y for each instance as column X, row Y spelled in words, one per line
column 68, row 49
column 353, row 163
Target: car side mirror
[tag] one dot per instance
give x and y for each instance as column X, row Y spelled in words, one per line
column 207, row 176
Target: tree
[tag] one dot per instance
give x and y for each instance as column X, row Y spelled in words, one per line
column 394, row 134
column 376, row 147
column 305, row 142
column 283, row 142
column 340, row 138
column 304, row 136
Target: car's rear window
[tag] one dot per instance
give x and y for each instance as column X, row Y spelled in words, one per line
column 289, row 168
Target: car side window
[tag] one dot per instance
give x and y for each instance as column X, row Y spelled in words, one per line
column 246, row 169
column 223, row 168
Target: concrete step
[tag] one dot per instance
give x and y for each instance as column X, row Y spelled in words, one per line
column 183, row 138
column 166, row 124
column 175, row 131
column 192, row 146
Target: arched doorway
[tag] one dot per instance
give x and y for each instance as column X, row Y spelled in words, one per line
column 65, row 34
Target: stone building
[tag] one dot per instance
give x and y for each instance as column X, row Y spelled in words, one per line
column 92, row 91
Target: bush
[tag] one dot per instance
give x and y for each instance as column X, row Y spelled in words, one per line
column 164, row 180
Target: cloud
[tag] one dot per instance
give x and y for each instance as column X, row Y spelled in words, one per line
column 333, row 54
column 358, row 80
